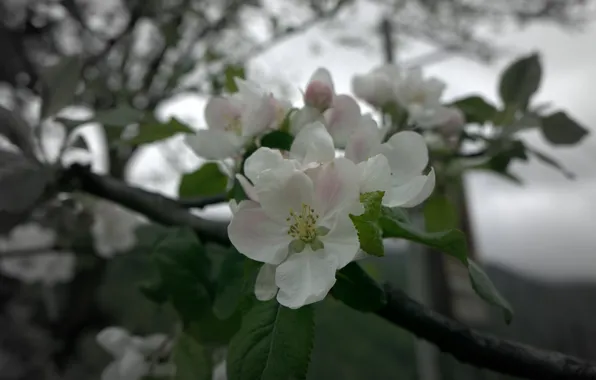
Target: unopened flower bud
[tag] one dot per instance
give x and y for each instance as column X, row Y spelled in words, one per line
column 318, row 95
column 453, row 122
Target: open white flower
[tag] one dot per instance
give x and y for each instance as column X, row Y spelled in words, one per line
column 131, row 354
column 378, row 86
column 233, row 120
column 395, row 167
column 301, row 226
column 421, row 97
column 48, row 266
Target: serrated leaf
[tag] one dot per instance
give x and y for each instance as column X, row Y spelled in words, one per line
column 192, row 360
column 22, row 182
column 560, row 129
column 451, row 242
column 59, row 84
column 231, row 72
column 439, row 214
column 273, row 343
column 545, row 158
column 277, row 140
column 149, row 133
column 206, row 181
column 230, row 284
column 120, row 116
column 487, row 291
column 358, row 290
column 476, row 109
column 184, row 273
column 17, row 131
column 520, row 81
column 370, row 233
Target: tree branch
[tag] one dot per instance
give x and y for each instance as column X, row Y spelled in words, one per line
column 200, row 202
column 156, row 207
column 480, row 350
column 463, row 343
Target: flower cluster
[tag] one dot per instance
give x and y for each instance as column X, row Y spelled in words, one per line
column 296, row 220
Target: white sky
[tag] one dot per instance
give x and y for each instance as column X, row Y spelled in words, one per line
column 544, row 228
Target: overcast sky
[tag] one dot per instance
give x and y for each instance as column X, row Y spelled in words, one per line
column 544, row 228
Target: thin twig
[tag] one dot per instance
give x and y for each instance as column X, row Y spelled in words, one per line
column 201, row 202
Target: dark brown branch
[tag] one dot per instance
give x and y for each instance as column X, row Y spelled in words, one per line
column 201, row 202
column 154, row 206
column 463, row 343
column 481, row 350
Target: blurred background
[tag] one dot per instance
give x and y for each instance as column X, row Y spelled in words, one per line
column 166, row 57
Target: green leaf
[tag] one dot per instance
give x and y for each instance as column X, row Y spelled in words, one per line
column 520, row 81
column 155, row 292
column 370, row 233
column 358, row 290
column 286, row 122
column 560, row 129
column 17, row 131
column 545, row 158
column 273, row 343
column 439, row 214
column 501, row 160
column 120, row 116
column 231, row 72
column 206, row 181
column 22, row 182
column 476, row 109
column 277, row 140
column 149, row 133
column 230, row 285
column 59, row 84
column 451, row 242
column 192, row 360
column 184, row 273
column 487, row 291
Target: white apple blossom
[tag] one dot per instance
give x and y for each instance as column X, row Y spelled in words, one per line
column 113, row 227
column 378, row 86
column 301, row 226
column 421, row 97
column 47, row 266
column 234, row 120
column 132, row 355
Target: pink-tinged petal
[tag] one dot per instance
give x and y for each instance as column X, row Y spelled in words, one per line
column 375, row 174
column 364, row 142
column 407, row 154
column 285, row 193
column 342, row 119
column 305, row 278
column 425, row 192
column 220, row 112
column 257, row 236
column 319, row 91
column 342, row 241
column 322, row 75
column 265, row 288
column 337, row 187
column 214, row 144
column 261, row 160
column 313, row 144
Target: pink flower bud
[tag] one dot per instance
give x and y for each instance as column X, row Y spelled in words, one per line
column 453, row 122
column 318, row 95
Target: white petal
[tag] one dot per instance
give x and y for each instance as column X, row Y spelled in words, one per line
column 375, row 174
column 407, row 154
column 263, row 159
column 114, row 340
column 289, row 193
column 150, row 344
column 233, row 206
column 257, row 236
column 220, row 112
column 305, row 278
column 132, row 366
column 248, row 89
column 337, row 187
column 257, row 115
column 265, row 288
column 112, row 371
column 324, row 76
column 411, row 193
column 427, row 189
column 365, row 141
column 342, row 119
column 248, row 188
column 434, row 88
column 342, row 242
column 303, row 117
column 214, row 144
column 313, row 144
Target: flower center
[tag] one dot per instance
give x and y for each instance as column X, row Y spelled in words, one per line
column 419, row 97
column 303, row 225
column 234, row 125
